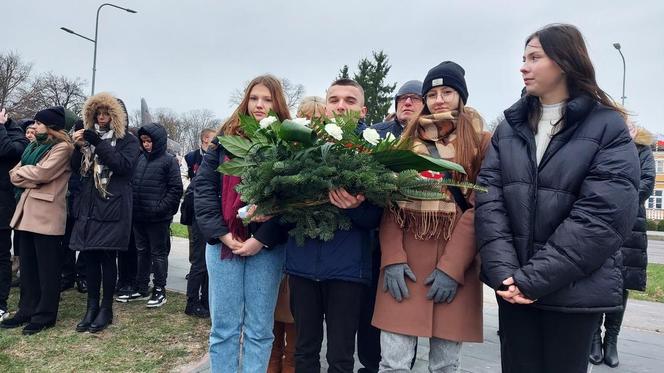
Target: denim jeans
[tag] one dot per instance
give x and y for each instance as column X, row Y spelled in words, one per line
column 243, row 295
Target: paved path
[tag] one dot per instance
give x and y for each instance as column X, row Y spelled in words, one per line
column 641, row 340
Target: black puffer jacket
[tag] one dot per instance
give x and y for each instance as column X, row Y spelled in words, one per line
column 12, row 145
column 557, row 227
column 157, row 183
column 105, row 224
column 634, row 250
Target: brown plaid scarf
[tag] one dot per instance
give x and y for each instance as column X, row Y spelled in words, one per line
column 434, row 219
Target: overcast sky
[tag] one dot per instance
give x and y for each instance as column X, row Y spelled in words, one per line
column 187, row 55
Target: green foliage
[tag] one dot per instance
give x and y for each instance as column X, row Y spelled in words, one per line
column 343, row 73
column 652, row 225
column 287, row 170
column 660, row 225
column 371, row 75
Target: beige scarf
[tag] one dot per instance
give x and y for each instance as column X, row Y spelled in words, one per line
column 434, row 219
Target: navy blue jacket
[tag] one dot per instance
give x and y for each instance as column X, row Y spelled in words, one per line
column 393, row 127
column 557, row 227
column 12, row 145
column 157, row 186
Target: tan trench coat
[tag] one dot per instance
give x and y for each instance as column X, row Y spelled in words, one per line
column 460, row 320
column 42, row 207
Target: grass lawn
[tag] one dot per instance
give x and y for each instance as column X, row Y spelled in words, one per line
column 179, row 230
column 655, row 286
column 139, row 340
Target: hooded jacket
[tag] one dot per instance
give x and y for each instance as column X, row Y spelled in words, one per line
column 105, row 223
column 157, row 184
column 12, row 145
column 557, row 227
column 634, row 250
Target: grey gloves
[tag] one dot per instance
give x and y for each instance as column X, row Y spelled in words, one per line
column 443, row 287
column 395, row 280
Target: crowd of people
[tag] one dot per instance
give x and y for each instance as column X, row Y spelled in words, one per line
column 556, row 234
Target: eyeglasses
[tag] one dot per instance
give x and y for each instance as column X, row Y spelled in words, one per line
column 413, row 98
column 447, row 95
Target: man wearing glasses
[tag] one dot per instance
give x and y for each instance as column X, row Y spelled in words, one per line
column 408, row 103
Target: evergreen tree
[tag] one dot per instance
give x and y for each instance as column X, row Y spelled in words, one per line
column 371, row 74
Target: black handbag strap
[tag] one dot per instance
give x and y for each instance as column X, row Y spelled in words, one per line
column 456, row 192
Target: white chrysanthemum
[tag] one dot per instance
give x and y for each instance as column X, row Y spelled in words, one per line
column 371, row 135
column 334, row 131
column 266, row 122
column 301, row 121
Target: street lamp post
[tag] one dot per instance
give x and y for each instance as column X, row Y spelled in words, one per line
column 94, row 41
column 617, row 46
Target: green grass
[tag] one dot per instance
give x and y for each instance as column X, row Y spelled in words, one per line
column 179, row 230
column 139, row 340
column 655, row 286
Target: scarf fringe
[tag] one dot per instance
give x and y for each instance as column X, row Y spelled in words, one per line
column 425, row 225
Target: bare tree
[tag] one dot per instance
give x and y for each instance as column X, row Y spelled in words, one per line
column 14, row 77
column 50, row 90
column 293, row 92
column 193, row 122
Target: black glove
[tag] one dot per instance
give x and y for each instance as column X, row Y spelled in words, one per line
column 395, row 280
column 91, row 136
column 443, row 287
column 78, row 125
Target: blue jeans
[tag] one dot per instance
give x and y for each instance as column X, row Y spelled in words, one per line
column 243, row 296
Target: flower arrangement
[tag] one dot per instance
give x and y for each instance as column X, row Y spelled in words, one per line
column 288, row 167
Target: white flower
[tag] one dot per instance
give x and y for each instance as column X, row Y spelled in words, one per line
column 333, row 120
column 334, row 131
column 266, row 122
column 390, row 137
column 301, row 121
column 371, row 135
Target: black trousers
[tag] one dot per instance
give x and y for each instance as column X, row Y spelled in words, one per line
column 368, row 336
column 535, row 340
column 40, row 276
column 153, row 244
column 73, row 267
column 338, row 303
column 197, row 283
column 128, row 264
column 5, row 266
column 101, row 270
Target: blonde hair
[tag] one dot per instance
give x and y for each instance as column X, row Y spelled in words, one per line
column 59, row 136
column 311, row 107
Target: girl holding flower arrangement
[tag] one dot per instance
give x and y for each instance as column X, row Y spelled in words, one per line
column 245, row 265
column 429, row 266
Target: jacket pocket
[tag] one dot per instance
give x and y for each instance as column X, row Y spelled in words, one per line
column 49, row 197
column 107, row 209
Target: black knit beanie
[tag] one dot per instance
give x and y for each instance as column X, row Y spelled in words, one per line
column 53, row 117
column 448, row 74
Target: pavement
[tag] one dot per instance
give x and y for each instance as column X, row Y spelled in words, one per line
column 641, row 340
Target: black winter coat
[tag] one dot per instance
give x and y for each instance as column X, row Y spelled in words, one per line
column 157, row 184
column 634, row 250
column 207, row 204
column 557, row 227
column 12, row 145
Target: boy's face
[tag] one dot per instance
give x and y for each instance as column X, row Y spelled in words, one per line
column 146, row 141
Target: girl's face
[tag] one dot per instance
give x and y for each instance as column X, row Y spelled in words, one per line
column 103, row 117
column 260, row 102
column 30, row 133
column 442, row 99
column 541, row 75
column 40, row 127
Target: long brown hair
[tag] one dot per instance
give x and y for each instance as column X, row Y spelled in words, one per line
column 565, row 45
column 468, row 140
column 59, row 136
column 232, row 125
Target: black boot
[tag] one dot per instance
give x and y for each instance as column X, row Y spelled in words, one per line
column 612, row 325
column 596, row 354
column 90, row 315
column 104, row 319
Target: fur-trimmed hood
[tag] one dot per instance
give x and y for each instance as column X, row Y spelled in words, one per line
column 115, row 109
column 643, row 137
